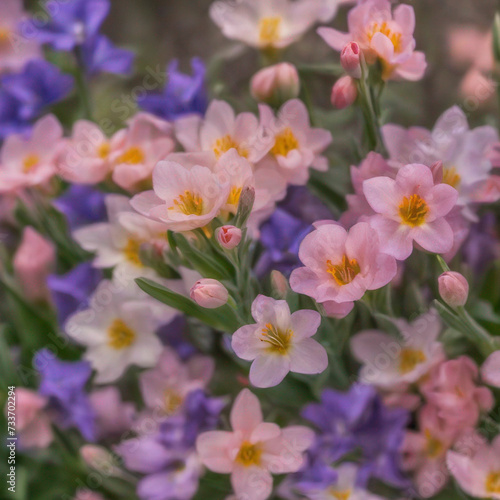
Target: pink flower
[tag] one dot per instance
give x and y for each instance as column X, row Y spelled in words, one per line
column 267, row 24
column 295, row 145
column 411, row 208
column 228, row 237
column 276, row 84
column 254, row 449
column 477, row 474
column 453, row 288
column 84, row 158
column 350, row 59
column 33, row 262
column 209, row 293
column 15, row 48
column 32, row 422
column 30, row 162
column 344, row 92
column 490, row 370
column 83, row 494
column 136, row 150
column 166, row 386
column 279, row 342
column 390, row 362
column 382, row 35
column 340, row 266
column 452, row 388
column 220, row 131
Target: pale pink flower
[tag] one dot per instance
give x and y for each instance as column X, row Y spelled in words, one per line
column 452, row 388
column 33, row 262
column 26, row 162
column 490, row 369
column 183, row 199
column 228, row 237
column 341, row 265
column 344, row 92
column 136, row 150
column 268, row 24
column 84, row 157
column 350, row 58
column 453, row 288
column 209, row 293
column 166, row 386
column 276, row 84
column 390, row 362
column 15, row 48
column 221, row 130
column 410, row 208
column 254, row 449
column 384, row 35
column 32, row 421
column 113, row 415
column 295, row 145
column 477, row 474
column 279, row 342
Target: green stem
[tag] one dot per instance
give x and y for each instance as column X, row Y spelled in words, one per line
column 82, row 85
column 485, row 341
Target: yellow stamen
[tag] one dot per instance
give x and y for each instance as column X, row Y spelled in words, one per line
column 224, row 144
column 451, row 177
column 493, row 482
column 103, row 151
column 131, row 251
column 234, row 196
column 344, row 272
column 340, row 495
column 284, row 143
column 120, row 335
column 409, row 359
column 5, row 35
column 188, row 203
column 173, row 401
column 279, row 341
column 433, row 447
column 30, row 161
column 413, row 210
column 384, row 28
column 249, row 454
column 269, row 30
column 133, row 155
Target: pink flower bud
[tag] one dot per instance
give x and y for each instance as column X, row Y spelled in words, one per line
column 33, row 263
column 344, row 92
column 279, row 284
column 276, row 84
column 209, row 293
column 228, row 237
column 96, row 456
column 453, row 288
column 350, row 59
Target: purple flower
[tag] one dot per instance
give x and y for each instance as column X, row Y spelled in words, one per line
column 72, row 23
column 63, row 383
column 70, row 292
column 25, row 95
column 82, row 205
column 183, row 94
column 358, row 420
column 100, row 55
column 173, row 334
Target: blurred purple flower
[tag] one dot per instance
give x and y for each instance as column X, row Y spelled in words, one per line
column 70, row 292
column 358, row 420
column 63, row 382
column 99, row 55
column 173, row 335
column 82, row 205
column 183, row 94
column 72, row 23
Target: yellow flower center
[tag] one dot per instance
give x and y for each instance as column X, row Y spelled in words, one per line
column 249, row 454
column 340, row 495
column 384, row 28
column 413, row 210
column 284, row 143
column 4, row 36
column 344, row 272
column 103, row 151
column 493, row 482
column 269, row 30
column 133, row 155
column 433, row 447
column 409, row 359
column 173, row 401
column 451, row 177
column 234, row 196
column 279, row 341
column 224, row 144
column 188, row 203
column 131, row 251
column 120, row 335
column 30, row 161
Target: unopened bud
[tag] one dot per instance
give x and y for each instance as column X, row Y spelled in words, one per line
column 279, row 284
column 228, row 237
column 453, row 288
column 344, row 92
column 209, row 293
column 276, row 84
column 97, row 457
column 350, row 59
